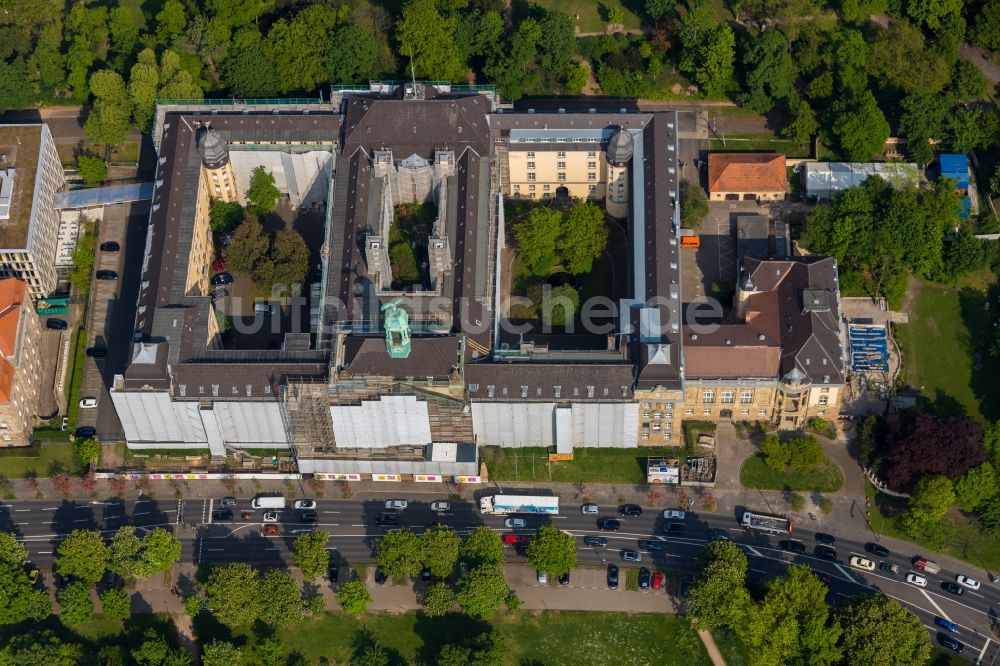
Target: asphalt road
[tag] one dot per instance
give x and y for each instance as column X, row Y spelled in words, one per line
column 41, row 524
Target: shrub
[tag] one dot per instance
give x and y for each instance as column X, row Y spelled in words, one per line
column 826, row 506
column 797, row 502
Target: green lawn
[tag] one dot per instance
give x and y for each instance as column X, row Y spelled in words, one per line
column 823, row 478
column 550, row 638
column 948, row 326
column 54, row 457
column 589, row 465
column 76, row 375
column 968, row 543
column 732, row 649
column 593, row 15
column 762, row 142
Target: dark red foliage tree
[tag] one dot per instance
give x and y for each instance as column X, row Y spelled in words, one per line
column 918, row 444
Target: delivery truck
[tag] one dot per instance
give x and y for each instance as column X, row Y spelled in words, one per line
column 765, row 523
column 499, row 505
column 268, row 502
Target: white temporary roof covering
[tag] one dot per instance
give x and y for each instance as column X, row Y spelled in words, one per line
column 149, row 416
column 211, row 424
column 603, row 424
column 564, row 429
column 824, row 179
column 303, row 176
column 395, row 420
column 251, row 423
column 314, row 466
column 513, row 423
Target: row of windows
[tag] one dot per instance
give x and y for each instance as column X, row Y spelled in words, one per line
column 546, row 188
column 561, row 165
column 728, row 397
column 708, row 412
column 591, row 154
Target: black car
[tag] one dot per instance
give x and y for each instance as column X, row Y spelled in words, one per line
column 609, row 524
column 222, row 278
column 630, row 510
column 56, row 324
column 307, row 517
column 380, row 576
column 686, row 585
column 718, row 535
column 333, row 573
column 823, row 537
column 644, row 577
column 110, row 246
column 425, row 575
column 97, row 352
column 950, row 643
column 564, row 579
column 792, row 546
column 227, row 501
column 672, row 528
column 596, row 541
column 521, row 549
column 85, row 431
column 876, row 549
column 222, row 514
column 826, row 553
column 650, row 544
column 387, row 518
column 106, row 275
column 612, row 577
column 954, row 588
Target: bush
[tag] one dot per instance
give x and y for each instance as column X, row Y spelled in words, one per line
column 797, row 502
column 193, row 604
column 821, row 426
column 74, row 599
column 826, row 506
column 91, row 169
column 774, row 452
column 803, row 453
column 115, row 603
column 354, row 597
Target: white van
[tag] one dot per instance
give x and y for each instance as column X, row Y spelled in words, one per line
column 263, row 308
column 268, row 502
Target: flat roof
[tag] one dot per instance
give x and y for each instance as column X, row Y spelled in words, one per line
column 22, row 145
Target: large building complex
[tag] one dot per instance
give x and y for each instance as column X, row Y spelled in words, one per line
column 30, row 176
column 390, row 376
column 20, row 364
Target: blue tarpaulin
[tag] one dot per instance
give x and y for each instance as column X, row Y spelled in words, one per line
column 956, row 167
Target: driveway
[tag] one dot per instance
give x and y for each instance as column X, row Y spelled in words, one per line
column 981, row 59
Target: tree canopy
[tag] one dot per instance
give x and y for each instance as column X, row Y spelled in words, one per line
column 918, row 444
column 309, row 554
column 82, row 554
column 552, row 550
column 547, row 237
column 482, row 546
column 878, row 631
column 263, row 195
column 482, row 591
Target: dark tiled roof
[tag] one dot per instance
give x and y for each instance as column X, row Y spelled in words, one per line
column 429, row 357
column 549, row 381
column 198, row 380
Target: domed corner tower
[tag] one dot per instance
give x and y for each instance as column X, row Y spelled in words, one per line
column 619, row 154
column 217, row 171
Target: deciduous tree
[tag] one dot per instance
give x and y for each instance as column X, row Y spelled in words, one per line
column 803, row 124
column 985, row 30
column 899, row 57
column 234, row 594
column 42, row 648
column 353, row 597
column 399, row 554
column 878, row 631
column 309, row 554
column 280, row 598
column 919, row 444
column 559, row 305
column 21, row 601
column 248, row 70
column 860, row 128
column 82, row 554
column 482, row 591
column 248, row 248
column 427, row 37
column 289, row 258
column 115, row 603
column 768, row 70
column 224, row 216
column 979, row 484
column 74, row 600
column 719, row 596
column 107, row 122
column 482, row 547
column 552, row 550
column 438, row 600
column 298, row 46
column 439, row 550
column 972, row 129
column 11, row 550
column 93, row 171
column 930, row 501
column 694, row 204
column 351, row 55
column 583, row 238
column 263, row 194
column 537, row 237
column 155, row 651
column 221, row 653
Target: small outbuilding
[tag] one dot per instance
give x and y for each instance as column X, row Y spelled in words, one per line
column 747, row 177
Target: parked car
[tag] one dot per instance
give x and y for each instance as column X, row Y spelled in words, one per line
column 596, row 541
column 609, row 524
column 308, row 517
column 823, row 537
column 270, row 517
column 222, row 278
column 630, row 510
column 631, row 556
column 543, row 577
column 106, row 275
column 396, row 504
column 826, row 553
column 672, row 527
column 56, row 324
column 222, row 514
column 333, row 573
column 305, row 504
column 792, row 546
column 110, row 246
column 645, row 576
column 954, row 588
column 877, row 549
column 387, row 518
column 515, row 523
column 859, row 562
column 716, row 534
column 269, row 531
column 590, row 508
column 946, row 624
column 651, row 544
column 380, row 576
column 425, row 574
column 916, row 579
column 523, row 539
column 564, row 579
column 612, row 577
column 440, row 507
column 658, row 580
column 673, row 514
column 686, row 585
column 97, row 352
column 88, row 403
column 220, row 264
column 951, row 643
column 965, row 581
column 886, row 567
column 824, row 578
column 227, row 501
column 85, row 432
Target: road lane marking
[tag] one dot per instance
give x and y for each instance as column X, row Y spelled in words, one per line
column 81, row 520
column 982, row 652
column 45, row 552
column 331, row 512
column 934, row 603
column 759, row 571
column 142, row 513
column 753, row 550
column 844, row 571
column 50, row 508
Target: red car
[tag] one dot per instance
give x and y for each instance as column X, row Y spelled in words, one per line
column 658, row 581
column 516, row 538
column 269, row 531
column 825, row 578
column 220, row 264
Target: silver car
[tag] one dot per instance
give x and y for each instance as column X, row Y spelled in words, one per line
column 590, row 508
column 440, row 507
column 515, row 523
column 396, row 504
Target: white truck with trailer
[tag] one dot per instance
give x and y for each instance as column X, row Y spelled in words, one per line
column 765, row 523
column 502, row 505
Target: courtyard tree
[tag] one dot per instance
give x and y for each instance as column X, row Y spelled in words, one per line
column 560, row 305
column 233, row 593
column 439, row 547
column 438, row 600
column 263, row 194
column 537, row 236
column 91, row 169
column 584, row 236
column 248, row 248
column 74, row 600
column 482, row 546
column 878, row 631
column 353, row 597
column 309, row 554
column 280, row 600
column 552, row 550
column 224, row 216
column 82, row 554
column 399, row 554
column 289, row 260
column 694, row 205
column 482, row 591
